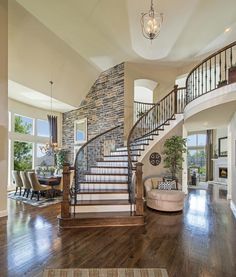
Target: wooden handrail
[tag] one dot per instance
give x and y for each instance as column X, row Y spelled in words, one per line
column 144, row 103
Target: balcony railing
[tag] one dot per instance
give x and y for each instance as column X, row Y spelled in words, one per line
column 211, row 73
column 141, row 108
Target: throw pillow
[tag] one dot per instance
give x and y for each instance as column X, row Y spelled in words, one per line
column 165, row 186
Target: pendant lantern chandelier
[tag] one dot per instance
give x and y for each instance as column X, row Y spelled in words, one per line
column 151, row 23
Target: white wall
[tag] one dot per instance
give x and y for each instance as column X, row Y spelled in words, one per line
column 3, row 107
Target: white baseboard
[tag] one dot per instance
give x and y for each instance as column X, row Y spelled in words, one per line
column 3, row 213
column 233, row 207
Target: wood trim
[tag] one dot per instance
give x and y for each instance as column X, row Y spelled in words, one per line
column 139, row 189
column 65, row 204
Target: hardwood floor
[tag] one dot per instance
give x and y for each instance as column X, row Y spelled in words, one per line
column 201, row 241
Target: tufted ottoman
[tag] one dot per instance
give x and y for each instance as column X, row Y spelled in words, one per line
column 164, row 200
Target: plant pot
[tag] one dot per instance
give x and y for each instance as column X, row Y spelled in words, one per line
column 232, row 74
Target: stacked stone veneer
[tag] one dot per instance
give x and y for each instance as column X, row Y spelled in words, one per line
column 103, row 107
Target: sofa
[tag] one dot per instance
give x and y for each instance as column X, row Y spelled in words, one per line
column 168, row 200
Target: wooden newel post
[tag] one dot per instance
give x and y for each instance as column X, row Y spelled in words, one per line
column 139, row 189
column 176, row 99
column 65, row 204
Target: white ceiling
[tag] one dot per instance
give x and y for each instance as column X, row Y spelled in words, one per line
column 107, row 32
column 34, row 98
column 212, row 118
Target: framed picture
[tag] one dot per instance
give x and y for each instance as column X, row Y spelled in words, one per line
column 223, row 147
column 80, row 131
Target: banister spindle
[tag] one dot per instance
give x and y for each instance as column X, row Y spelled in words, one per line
column 215, row 70
column 220, row 75
column 210, row 74
column 226, row 64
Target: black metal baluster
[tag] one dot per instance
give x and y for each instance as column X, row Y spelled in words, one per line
column 210, row 74
column 202, row 79
column 206, row 76
column 226, row 64
column 220, row 75
column 231, row 56
column 215, row 70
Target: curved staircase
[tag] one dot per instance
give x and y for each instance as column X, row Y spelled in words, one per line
column 108, row 189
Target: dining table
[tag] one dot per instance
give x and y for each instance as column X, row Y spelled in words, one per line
column 52, row 181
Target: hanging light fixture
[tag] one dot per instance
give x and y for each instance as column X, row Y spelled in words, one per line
column 51, row 147
column 151, row 23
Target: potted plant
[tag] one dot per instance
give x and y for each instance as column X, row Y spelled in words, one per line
column 61, row 157
column 222, row 83
column 232, row 74
column 174, row 148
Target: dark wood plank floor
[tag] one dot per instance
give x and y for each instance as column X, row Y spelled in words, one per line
column 201, row 241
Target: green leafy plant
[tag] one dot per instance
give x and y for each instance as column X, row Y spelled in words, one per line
column 22, row 150
column 174, row 148
column 61, row 158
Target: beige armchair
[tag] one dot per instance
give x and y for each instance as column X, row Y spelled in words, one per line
column 37, row 188
column 163, row 200
column 26, row 183
column 17, row 180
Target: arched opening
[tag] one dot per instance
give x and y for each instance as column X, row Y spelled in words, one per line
column 143, row 96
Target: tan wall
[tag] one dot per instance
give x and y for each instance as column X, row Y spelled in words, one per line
column 164, row 76
column 3, row 107
column 36, row 55
column 150, row 170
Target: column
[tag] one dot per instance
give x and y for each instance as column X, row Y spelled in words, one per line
column 3, row 106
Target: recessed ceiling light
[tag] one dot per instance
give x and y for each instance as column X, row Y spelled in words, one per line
column 227, row 30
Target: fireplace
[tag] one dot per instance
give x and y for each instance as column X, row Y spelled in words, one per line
column 223, row 172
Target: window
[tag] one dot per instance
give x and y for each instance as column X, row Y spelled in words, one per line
column 42, row 159
column 23, row 125
column 197, row 154
column 23, row 155
column 80, row 129
column 42, row 128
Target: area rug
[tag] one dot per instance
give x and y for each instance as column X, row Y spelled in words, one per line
column 106, row 272
column 43, row 202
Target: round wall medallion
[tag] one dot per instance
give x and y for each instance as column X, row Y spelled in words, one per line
column 155, row 159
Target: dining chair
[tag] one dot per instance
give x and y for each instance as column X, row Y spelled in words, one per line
column 60, row 186
column 26, row 182
column 37, row 188
column 17, row 180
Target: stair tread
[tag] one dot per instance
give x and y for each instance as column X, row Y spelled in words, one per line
column 102, row 215
column 102, row 202
column 97, row 166
column 107, row 174
column 107, row 191
column 103, row 182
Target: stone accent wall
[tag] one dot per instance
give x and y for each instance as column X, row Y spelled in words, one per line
column 103, row 107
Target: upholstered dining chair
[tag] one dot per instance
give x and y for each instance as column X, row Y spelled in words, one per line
column 17, row 180
column 60, row 186
column 37, row 188
column 26, row 183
